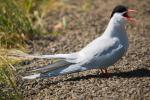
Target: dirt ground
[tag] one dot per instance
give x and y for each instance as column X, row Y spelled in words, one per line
column 129, row 78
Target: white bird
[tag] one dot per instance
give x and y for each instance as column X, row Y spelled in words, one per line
column 101, row 53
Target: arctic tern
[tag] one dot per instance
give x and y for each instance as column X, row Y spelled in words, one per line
column 101, row 53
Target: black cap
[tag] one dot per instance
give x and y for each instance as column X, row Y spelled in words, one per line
column 119, row 9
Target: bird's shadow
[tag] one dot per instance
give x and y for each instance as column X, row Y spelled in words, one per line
column 130, row 74
column 143, row 72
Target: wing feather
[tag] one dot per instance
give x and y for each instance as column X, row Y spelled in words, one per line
column 50, row 67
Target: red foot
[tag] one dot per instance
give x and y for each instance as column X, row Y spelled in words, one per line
column 105, row 72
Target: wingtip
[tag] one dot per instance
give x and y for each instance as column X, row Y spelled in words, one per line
column 31, row 76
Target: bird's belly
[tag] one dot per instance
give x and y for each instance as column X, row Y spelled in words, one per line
column 106, row 60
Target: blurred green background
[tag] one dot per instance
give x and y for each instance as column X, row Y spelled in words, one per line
column 20, row 21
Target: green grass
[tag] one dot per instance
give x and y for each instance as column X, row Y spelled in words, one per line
column 20, row 21
column 16, row 27
column 8, row 88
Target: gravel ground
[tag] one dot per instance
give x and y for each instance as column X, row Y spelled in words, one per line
column 129, row 78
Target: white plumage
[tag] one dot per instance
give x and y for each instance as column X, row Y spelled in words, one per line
column 101, row 53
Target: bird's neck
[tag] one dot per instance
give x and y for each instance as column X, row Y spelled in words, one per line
column 115, row 29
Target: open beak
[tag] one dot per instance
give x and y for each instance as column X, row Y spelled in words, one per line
column 129, row 18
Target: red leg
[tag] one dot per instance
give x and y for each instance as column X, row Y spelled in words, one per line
column 104, row 71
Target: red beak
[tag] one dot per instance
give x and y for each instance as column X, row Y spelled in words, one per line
column 131, row 10
column 130, row 19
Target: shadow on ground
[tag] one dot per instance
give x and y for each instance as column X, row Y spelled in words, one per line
column 130, row 74
column 143, row 72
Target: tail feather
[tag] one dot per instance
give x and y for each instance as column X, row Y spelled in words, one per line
column 55, row 56
column 50, row 70
column 61, row 56
column 58, row 71
column 50, row 67
column 34, row 76
column 46, row 74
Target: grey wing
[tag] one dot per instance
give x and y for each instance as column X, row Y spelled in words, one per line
column 68, row 59
column 50, row 67
column 100, row 55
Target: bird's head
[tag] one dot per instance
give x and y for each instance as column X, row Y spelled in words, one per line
column 121, row 14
